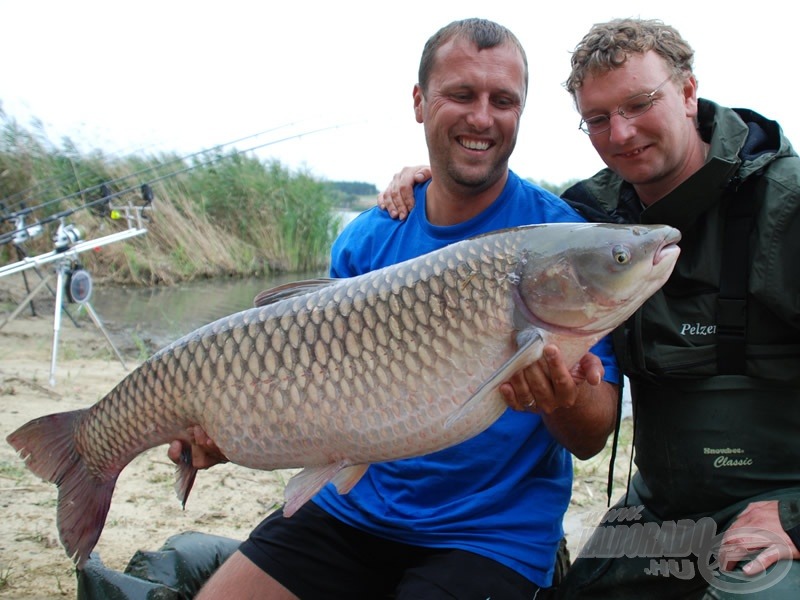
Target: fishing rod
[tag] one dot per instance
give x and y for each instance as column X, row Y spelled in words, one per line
column 72, row 280
column 68, row 244
column 54, row 182
column 251, row 149
column 60, row 216
column 7, row 237
column 10, row 214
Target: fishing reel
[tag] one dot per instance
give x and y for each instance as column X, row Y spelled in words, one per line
column 66, row 236
column 21, row 233
column 78, row 284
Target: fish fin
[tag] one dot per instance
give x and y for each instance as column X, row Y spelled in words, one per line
column 531, row 345
column 185, row 475
column 289, row 290
column 346, row 479
column 47, row 445
column 303, row 486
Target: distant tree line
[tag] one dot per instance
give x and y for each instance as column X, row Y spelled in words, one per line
column 556, row 188
column 350, row 194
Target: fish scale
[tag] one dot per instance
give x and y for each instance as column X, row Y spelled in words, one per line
column 334, row 375
column 311, row 338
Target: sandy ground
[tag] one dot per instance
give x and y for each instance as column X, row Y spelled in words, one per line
column 227, row 500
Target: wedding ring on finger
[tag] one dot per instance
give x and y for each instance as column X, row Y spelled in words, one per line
column 531, row 404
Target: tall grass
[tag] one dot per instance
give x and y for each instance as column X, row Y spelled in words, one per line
column 215, row 213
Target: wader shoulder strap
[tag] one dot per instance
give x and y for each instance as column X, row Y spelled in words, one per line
column 618, row 341
column 735, row 267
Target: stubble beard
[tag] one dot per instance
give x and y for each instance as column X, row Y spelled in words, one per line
column 477, row 180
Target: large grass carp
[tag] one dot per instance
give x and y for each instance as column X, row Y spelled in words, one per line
column 332, row 375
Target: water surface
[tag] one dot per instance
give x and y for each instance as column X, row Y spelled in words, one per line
column 160, row 315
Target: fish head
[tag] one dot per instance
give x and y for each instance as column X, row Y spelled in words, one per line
column 588, row 278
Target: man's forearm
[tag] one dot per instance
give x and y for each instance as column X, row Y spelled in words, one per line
column 583, row 428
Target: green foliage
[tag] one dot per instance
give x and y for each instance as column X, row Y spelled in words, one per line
column 142, row 349
column 218, row 213
column 33, row 171
column 5, row 577
column 257, row 201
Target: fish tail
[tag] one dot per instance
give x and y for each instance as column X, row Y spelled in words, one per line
column 47, row 445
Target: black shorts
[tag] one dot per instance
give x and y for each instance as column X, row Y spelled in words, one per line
column 318, row 557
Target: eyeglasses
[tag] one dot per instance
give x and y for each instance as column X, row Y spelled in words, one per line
column 630, row 109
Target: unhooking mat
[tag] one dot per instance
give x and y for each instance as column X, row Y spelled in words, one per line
column 175, row 572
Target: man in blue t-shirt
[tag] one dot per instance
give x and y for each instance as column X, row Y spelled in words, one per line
column 483, row 518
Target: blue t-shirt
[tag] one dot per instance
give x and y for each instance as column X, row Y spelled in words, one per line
column 501, row 494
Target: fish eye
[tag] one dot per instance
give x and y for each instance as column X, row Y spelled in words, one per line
column 621, row 254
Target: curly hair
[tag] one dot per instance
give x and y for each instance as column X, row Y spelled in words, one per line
column 608, row 45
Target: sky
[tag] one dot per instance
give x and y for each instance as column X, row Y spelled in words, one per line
column 328, row 85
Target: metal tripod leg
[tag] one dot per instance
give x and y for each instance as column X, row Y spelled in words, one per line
column 59, row 292
column 21, row 254
column 22, row 304
column 99, row 325
column 56, row 324
column 28, row 299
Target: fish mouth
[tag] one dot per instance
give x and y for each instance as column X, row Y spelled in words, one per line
column 668, row 247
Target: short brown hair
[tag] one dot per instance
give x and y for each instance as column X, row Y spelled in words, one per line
column 481, row 32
